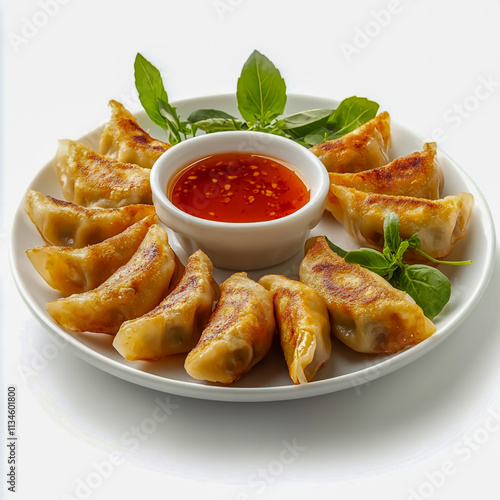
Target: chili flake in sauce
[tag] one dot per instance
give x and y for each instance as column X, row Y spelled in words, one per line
column 238, row 187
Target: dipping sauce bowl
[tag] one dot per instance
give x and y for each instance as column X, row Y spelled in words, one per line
column 241, row 246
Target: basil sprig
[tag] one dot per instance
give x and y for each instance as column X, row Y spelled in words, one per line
column 154, row 99
column 428, row 286
column 261, row 91
column 261, row 98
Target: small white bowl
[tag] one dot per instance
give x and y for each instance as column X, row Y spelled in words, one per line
column 233, row 245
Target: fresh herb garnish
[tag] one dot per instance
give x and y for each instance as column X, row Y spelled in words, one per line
column 261, row 91
column 351, row 113
column 154, row 100
column 261, row 99
column 428, row 286
column 214, row 120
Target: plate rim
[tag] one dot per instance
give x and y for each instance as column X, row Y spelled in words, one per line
column 266, row 393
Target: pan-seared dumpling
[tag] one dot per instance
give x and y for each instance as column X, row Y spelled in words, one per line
column 64, row 223
column 364, row 148
column 303, row 325
column 238, row 334
column 92, row 180
column 175, row 325
column 134, row 289
column 417, row 174
column 124, row 138
column 367, row 313
column 437, row 223
column 77, row 270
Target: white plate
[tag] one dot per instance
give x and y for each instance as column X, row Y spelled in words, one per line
column 268, row 380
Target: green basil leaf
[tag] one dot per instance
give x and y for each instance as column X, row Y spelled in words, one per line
column 214, row 120
column 387, row 252
column 369, row 259
column 149, row 85
column 301, row 124
column 218, row 125
column 351, row 113
column 401, row 250
column 392, row 240
column 207, row 114
column 339, row 251
column 317, row 136
column 414, row 241
column 395, row 277
column 261, row 91
column 278, row 128
column 169, row 113
column 187, row 128
column 428, row 287
column 392, row 271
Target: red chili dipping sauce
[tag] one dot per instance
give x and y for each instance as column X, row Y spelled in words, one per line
column 238, row 187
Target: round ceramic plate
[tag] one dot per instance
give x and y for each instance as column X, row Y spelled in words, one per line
column 268, row 380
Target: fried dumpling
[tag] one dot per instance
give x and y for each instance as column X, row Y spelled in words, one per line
column 123, row 137
column 367, row 313
column 64, row 223
column 364, row 148
column 437, row 223
column 175, row 325
column 92, row 180
column 134, row 289
column 303, row 325
column 77, row 270
column 417, row 174
column 238, row 334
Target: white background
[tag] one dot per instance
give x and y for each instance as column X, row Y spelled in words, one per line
column 429, row 430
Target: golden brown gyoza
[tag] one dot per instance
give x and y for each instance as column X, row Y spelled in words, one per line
column 77, row 270
column 124, row 138
column 437, row 223
column 92, row 180
column 364, row 148
column 367, row 313
column 303, row 325
column 131, row 291
column 175, row 325
column 64, row 223
column 238, row 334
column 417, row 174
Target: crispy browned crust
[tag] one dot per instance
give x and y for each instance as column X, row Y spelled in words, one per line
column 290, row 303
column 417, row 174
column 359, row 301
column 63, row 223
column 234, row 301
column 197, row 269
column 437, row 223
column 303, row 326
column 77, row 270
column 123, row 134
column 91, row 179
column 175, row 325
column 133, row 290
column 238, row 334
column 362, row 149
